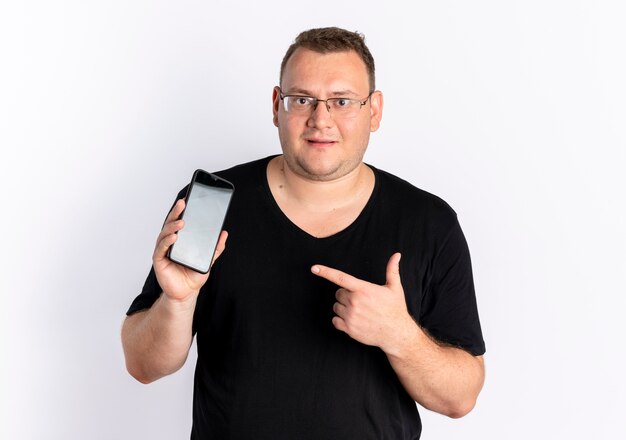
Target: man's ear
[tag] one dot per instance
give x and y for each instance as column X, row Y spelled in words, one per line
column 275, row 104
column 376, row 110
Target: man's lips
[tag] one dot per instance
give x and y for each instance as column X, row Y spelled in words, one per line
column 317, row 142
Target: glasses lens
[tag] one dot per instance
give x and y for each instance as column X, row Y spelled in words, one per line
column 299, row 105
column 343, row 107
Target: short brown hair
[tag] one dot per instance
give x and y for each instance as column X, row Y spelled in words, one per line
column 332, row 39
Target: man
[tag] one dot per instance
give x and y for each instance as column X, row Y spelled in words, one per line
column 343, row 296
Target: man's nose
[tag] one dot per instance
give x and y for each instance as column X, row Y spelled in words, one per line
column 321, row 115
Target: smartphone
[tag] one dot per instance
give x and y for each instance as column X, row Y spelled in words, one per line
column 206, row 204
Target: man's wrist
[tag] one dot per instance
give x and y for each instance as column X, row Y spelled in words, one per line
column 406, row 339
column 179, row 305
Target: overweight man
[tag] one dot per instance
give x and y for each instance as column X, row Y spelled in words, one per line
column 340, row 295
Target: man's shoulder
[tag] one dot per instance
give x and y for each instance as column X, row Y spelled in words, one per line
column 242, row 175
column 400, row 191
column 248, row 173
column 246, row 169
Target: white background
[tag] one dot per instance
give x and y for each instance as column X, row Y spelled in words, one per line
column 512, row 111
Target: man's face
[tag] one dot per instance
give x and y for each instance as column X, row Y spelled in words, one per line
column 324, row 146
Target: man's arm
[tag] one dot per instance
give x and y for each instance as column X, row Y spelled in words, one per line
column 156, row 341
column 441, row 378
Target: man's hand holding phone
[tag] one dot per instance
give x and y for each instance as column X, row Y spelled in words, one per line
column 178, row 282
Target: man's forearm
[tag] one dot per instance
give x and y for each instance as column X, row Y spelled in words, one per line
column 441, row 378
column 156, row 341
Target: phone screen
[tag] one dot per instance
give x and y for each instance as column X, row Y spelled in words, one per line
column 207, row 202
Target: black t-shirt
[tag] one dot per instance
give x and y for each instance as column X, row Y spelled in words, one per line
column 270, row 363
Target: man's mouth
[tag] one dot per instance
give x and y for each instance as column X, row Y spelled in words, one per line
column 317, row 142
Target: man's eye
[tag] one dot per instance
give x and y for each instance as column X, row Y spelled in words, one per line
column 341, row 102
column 301, row 101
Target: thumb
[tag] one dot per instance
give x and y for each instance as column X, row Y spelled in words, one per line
column 393, row 271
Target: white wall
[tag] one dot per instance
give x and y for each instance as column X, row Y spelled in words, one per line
column 514, row 112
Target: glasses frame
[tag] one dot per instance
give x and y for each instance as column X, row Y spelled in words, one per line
column 316, row 101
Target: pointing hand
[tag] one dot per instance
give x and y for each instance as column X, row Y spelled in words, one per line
column 371, row 314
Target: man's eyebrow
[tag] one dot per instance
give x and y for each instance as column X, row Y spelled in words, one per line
column 297, row 91
column 305, row 92
column 346, row 92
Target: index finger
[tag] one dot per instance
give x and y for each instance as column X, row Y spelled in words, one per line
column 336, row 276
column 177, row 209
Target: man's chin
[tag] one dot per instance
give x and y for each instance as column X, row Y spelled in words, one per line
column 323, row 171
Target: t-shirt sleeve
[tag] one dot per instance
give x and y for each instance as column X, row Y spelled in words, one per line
column 151, row 288
column 449, row 311
column 148, row 296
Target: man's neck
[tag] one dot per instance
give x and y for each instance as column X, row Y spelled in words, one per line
column 319, row 195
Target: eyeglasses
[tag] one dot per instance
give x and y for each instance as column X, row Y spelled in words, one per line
column 299, row 105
